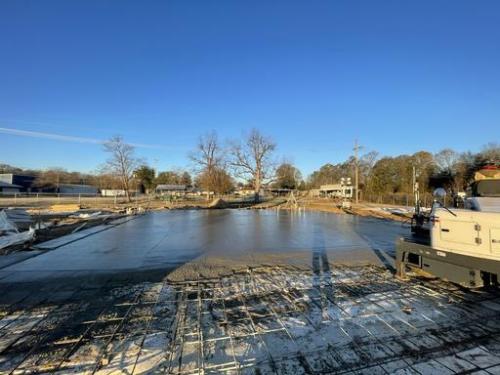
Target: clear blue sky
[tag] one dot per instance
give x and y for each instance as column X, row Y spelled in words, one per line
column 399, row 75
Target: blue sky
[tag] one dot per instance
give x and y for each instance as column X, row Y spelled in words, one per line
column 400, row 76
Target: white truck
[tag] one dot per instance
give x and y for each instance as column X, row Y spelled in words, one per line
column 462, row 245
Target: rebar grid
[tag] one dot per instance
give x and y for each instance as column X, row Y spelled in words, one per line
column 269, row 319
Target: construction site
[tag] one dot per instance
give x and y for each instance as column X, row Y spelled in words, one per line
column 249, row 187
column 237, row 291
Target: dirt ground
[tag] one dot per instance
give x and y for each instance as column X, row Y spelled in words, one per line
column 364, row 209
column 99, row 203
column 314, row 204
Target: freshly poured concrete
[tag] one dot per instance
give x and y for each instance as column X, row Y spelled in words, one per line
column 169, row 239
column 297, row 305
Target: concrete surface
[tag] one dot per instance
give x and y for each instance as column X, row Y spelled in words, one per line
column 169, row 239
column 247, row 292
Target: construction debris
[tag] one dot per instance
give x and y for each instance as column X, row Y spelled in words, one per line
column 10, row 235
column 88, row 215
column 65, row 207
column 291, row 202
column 6, row 225
column 135, row 210
column 19, row 216
column 79, row 228
column 17, row 238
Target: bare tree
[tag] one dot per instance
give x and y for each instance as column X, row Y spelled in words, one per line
column 122, row 162
column 209, row 161
column 252, row 159
column 446, row 160
column 490, row 153
column 366, row 164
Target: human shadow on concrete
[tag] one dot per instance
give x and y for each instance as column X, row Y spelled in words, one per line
column 381, row 242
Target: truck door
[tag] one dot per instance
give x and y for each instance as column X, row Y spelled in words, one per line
column 458, row 231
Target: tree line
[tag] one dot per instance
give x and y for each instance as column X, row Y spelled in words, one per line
column 394, row 174
column 218, row 167
column 250, row 162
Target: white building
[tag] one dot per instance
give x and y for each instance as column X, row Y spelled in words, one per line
column 164, row 189
column 336, row 191
column 112, row 192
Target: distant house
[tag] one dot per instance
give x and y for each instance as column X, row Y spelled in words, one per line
column 279, row 192
column 336, row 191
column 245, row 192
column 113, row 192
column 171, row 189
column 6, row 188
column 77, row 189
column 25, row 183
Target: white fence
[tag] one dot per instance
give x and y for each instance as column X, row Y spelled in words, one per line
column 36, row 199
column 46, row 199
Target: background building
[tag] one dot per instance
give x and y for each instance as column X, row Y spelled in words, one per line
column 25, row 183
column 77, row 189
column 163, row 189
column 336, row 191
column 6, row 188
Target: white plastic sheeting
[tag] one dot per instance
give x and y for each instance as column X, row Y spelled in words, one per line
column 9, row 235
column 18, row 216
column 6, row 226
column 88, row 215
column 16, row 238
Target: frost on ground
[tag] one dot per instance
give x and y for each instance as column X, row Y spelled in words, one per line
column 262, row 320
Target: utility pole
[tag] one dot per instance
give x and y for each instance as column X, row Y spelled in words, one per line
column 356, row 169
column 416, row 192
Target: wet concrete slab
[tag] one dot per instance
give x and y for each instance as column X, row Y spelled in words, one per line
column 13, row 258
column 73, row 237
column 217, row 239
column 257, row 292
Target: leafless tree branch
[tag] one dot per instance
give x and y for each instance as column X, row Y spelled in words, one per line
column 252, row 159
column 122, row 162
